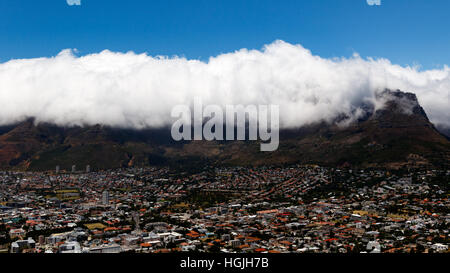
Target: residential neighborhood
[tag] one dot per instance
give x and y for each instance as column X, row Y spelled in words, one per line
column 295, row 209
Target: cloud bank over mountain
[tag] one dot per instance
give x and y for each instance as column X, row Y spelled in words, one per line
column 138, row 90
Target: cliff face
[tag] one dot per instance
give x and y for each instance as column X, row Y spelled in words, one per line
column 398, row 134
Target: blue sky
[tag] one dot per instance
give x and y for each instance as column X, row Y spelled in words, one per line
column 404, row 31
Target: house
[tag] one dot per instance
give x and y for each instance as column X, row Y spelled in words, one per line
column 114, row 248
column 440, row 247
column 14, row 233
column 70, row 247
column 18, row 246
column 373, row 247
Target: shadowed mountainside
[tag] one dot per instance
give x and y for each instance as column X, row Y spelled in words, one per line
column 398, row 135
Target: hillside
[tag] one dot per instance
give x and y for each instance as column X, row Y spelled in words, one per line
column 399, row 134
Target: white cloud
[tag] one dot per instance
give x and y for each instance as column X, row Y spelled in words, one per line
column 73, row 2
column 137, row 90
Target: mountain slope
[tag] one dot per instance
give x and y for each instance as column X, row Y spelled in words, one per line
column 399, row 134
